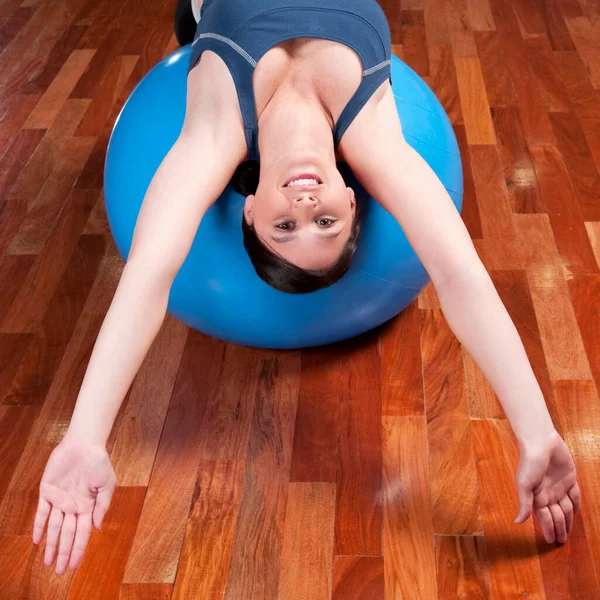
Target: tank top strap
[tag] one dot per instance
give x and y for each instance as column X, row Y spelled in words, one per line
column 373, row 77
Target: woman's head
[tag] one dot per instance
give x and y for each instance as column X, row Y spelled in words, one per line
column 300, row 223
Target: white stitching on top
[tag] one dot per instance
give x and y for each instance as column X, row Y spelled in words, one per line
column 376, row 68
column 243, row 53
column 237, row 48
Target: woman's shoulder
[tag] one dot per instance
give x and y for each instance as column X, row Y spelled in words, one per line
column 211, row 86
column 378, row 114
column 212, row 98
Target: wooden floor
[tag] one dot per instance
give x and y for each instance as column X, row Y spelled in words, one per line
column 380, row 468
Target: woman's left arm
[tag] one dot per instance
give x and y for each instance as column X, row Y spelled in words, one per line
column 404, row 184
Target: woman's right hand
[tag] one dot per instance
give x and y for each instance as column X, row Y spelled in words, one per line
column 76, row 489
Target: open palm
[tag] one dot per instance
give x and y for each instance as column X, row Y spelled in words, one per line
column 547, row 485
column 76, row 488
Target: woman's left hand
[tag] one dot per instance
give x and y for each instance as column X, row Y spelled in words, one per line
column 547, row 484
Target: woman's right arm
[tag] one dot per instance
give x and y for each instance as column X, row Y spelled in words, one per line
column 190, row 178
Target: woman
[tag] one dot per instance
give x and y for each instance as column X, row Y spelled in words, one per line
column 317, row 81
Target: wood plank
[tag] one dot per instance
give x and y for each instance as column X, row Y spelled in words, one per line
column 470, row 208
column 504, row 248
column 436, row 24
column 314, row 454
column 413, row 41
column 480, row 15
column 60, row 53
column 428, row 297
column 583, row 172
column 530, row 19
column 498, row 82
column 44, row 276
column 51, row 102
column 454, row 488
column 145, row 591
column 26, row 55
column 519, row 171
column 554, row 92
column 256, row 558
column 307, row 555
column 11, row 26
column 109, row 549
column 16, row 423
column 460, row 28
column 100, row 108
column 359, row 518
column 356, row 577
column 32, row 178
column 98, row 67
column 556, row 28
column 409, row 555
column 579, row 408
column 210, row 531
column 474, row 102
column 15, row 110
column 514, row 565
column 593, row 231
column 15, row 158
column 44, row 211
column 462, row 567
column 15, row 556
column 585, row 99
column 585, row 38
column 444, row 83
column 536, row 125
column 401, row 369
column 561, row 338
column 564, row 213
column 584, row 289
column 13, row 272
column 40, row 362
column 155, row 554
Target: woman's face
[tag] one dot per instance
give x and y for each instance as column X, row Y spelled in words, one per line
column 302, row 211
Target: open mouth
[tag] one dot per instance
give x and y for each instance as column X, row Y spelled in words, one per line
column 303, row 181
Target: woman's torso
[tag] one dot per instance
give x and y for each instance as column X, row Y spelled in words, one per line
column 340, row 49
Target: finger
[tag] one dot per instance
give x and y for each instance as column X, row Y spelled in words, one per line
column 102, row 503
column 82, row 536
column 560, row 525
column 66, row 542
column 39, row 523
column 525, row 502
column 575, row 497
column 546, row 523
column 54, row 525
column 567, row 508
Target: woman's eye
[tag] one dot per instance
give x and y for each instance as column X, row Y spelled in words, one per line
column 285, row 226
column 325, row 222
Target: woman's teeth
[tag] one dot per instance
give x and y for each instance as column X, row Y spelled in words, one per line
column 300, row 182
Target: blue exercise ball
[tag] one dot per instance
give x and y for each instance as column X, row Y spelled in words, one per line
column 217, row 290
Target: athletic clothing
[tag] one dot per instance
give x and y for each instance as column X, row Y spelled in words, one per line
column 242, row 31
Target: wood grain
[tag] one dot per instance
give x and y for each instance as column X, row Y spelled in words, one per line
column 473, row 99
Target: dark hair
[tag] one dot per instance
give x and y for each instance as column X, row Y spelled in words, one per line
column 275, row 270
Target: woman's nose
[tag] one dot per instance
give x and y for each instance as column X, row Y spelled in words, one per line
column 307, row 199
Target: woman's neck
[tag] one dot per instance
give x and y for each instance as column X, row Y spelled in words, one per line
column 293, row 124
